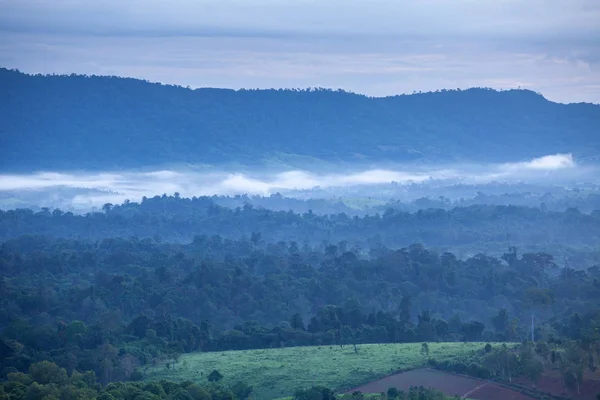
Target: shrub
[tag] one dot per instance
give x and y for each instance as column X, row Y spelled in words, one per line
column 392, row 393
column 215, row 376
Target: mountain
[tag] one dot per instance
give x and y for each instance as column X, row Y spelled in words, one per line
column 62, row 122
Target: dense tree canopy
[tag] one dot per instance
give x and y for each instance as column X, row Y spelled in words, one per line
column 118, row 305
column 469, row 230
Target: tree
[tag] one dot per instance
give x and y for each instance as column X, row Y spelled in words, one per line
column 405, row 305
column 256, row 237
column 473, row 330
column 425, row 350
column 215, row 376
column 572, row 365
column 501, row 362
column 46, row 372
column 296, row 322
column 392, row 393
column 511, row 257
column 241, row 390
column 198, row 392
column 532, row 369
column 42, row 392
column 180, row 394
column 542, row 349
column 315, row 393
column 501, row 322
column 531, row 366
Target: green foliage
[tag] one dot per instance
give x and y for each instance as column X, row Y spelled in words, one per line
column 180, row 394
column 392, row 393
column 241, row 390
column 314, row 393
column 155, row 388
column 199, row 393
column 75, row 389
column 46, row 372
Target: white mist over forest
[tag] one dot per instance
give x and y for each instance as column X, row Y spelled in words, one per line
column 98, row 188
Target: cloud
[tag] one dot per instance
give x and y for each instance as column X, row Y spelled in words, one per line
column 116, row 187
column 376, row 47
column 549, row 163
column 460, row 18
column 374, row 67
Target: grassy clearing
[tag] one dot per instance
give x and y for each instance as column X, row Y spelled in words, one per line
column 277, row 373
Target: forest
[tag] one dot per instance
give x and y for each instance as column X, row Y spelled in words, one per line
column 465, row 230
column 107, row 123
column 114, row 293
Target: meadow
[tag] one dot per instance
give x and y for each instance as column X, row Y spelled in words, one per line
column 277, row 373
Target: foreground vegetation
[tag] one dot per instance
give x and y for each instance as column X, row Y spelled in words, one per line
column 120, row 306
column 124, row 307
column 46, row 381
column 278, row 372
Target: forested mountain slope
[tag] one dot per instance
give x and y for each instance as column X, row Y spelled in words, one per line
column 56, row 122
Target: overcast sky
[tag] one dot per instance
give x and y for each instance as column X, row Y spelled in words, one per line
column 376, row 47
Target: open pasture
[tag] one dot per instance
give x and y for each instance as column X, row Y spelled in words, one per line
column 276, row 373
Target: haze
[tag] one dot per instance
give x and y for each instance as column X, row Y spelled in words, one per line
column 115, row 187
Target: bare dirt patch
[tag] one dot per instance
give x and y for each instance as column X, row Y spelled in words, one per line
column 551, row 382
column 452, row 385
column 492, row 391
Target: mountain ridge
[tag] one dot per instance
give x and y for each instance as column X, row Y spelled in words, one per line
column 96, row 122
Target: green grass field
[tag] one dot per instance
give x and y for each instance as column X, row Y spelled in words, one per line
column 277, row 373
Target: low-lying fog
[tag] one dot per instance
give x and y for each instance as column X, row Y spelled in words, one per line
column 85, row 191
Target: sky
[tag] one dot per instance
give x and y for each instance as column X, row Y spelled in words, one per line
column 374, row 47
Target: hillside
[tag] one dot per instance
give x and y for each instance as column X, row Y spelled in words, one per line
column 57, row 122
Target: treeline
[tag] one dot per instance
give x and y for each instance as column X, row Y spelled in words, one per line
column 118, row 306
column 46, row 380
column 522, row 367
column 176, row 219
column 560, row 201
column 413, row 393
column 586, row 202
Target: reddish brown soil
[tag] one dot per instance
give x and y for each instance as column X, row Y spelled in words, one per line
column 492, row 391
column 447, row 383
column 551, row 382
